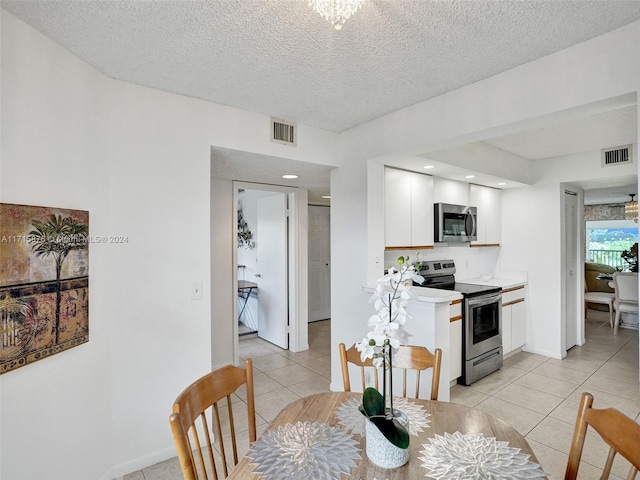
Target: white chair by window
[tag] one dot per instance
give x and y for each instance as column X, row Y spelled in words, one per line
column 626, row 295
column 604, row 298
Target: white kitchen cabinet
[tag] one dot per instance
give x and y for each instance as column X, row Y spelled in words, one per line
column 514, row 319
column 507, row 345
column 450, row 191
column 421, row 210
column 488, row 202
column 408, row 209
column 518, row 324
column 397, row 207
column 455, row 341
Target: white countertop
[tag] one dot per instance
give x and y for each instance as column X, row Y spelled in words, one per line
column 435, row 295
column 426, row 294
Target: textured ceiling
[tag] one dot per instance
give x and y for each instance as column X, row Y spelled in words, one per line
column 280, row 58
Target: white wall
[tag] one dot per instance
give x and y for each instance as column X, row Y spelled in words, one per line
column 139, row 160
column 56, row 413
column 531, row 243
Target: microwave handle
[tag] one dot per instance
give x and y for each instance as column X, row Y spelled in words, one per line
column 473, row 223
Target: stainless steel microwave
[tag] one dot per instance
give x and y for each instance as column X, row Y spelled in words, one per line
column 455, row 223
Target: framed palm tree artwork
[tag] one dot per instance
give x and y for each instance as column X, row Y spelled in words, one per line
column 44, row 282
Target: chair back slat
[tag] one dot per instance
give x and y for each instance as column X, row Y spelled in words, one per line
column 196, row 439
column 617, row 430
column 404, row 383
column 408, row 358
column 232, row 427
column 223, row 453
column 190, row 428
column 209, row 446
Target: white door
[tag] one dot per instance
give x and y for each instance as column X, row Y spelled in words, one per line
column 319, row 263
column 271, row 276
column 571, row 266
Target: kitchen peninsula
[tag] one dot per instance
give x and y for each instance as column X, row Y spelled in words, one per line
column 429, row 326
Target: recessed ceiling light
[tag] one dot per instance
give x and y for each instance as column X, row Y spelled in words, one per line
column 326, row 196
column 470, row 176
column 502, row 183
column 289, row 176
column 429, row 166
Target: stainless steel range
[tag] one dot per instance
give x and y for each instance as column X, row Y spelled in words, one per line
column 481, row 319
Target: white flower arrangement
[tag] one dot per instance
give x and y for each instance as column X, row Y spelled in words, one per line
column 387, row 333
column 390, row 299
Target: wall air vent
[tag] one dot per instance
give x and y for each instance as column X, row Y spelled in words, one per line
column 283, row 132
column 616, row 156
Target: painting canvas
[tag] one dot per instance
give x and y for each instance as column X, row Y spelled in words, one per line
column 44, row 282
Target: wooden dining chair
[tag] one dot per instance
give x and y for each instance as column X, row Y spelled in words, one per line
column 190, row 427
column 408, row 358
column 616, row 429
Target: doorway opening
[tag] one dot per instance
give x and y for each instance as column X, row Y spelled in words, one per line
column 262, row 264
column 319, row 262
column 276, row 263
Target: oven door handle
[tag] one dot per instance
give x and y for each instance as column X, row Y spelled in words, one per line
column 485, row 300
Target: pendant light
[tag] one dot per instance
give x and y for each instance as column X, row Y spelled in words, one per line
column 335, row 11
column 631, row 209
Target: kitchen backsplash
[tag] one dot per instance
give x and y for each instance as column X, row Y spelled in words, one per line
column 470, row 262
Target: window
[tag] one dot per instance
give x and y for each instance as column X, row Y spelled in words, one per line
column 607, row 239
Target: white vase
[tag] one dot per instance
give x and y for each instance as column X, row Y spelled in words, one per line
column 381, row 451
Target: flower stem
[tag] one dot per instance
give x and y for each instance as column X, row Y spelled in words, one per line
column 390, row 381
column 384, row 377
column 390, row 370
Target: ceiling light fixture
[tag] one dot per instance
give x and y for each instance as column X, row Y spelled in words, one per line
column 429, row 166
column 502, row 183
column 289, row 176
column 335, row 11
column 631, row 209
column 470, row 176
column 327, row 197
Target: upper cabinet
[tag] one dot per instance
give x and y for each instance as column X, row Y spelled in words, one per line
column 408, row 209
column 488, row 202
column 450, row 191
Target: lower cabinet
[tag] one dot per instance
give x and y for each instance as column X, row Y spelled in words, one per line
column 514, row 319
column 455, row 341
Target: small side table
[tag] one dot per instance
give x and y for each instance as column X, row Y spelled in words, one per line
column 244, row 292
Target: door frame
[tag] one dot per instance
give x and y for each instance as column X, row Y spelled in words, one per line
column 298, row 262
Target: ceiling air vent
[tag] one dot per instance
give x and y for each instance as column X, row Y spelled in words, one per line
column 616, row 156
column 283, row 132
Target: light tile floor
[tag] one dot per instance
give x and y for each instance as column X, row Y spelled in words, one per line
column 537, row 395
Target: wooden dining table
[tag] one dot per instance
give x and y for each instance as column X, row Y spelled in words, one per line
column 445, row 417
